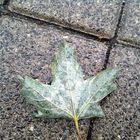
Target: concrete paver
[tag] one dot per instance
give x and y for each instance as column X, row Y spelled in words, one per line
column 130, row 25
column 98, row 17
column 27, row 49
column 122, row 108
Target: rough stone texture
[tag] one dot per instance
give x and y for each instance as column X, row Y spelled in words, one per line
column 27, row 49
column 1, row 1
column 130, row 25
column 95, row 17
column 122, row 108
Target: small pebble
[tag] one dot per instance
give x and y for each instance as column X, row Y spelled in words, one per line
column 31, row 128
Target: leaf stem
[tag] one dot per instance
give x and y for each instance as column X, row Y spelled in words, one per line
column 77, row 127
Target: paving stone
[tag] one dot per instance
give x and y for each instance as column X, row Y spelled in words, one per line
column 122, row 108
column 130, row 25
column 98, row 17
column 27, row 48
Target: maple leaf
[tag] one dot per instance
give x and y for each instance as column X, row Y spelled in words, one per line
column 69, row 95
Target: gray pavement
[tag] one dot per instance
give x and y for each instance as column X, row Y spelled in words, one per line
column 122, row 108
column 29, row 38
column 130, row 25
column 95, row 17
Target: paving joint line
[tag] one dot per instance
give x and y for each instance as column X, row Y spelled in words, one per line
column 6, row 2
column 119, row 20
column 128, row 45
column 110, row 46
column 5, row 11
column 113, row 41
column 42, row 22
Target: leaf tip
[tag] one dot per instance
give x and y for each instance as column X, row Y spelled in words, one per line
column 20, row 79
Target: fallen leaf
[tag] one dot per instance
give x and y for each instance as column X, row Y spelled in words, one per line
column 69, row 96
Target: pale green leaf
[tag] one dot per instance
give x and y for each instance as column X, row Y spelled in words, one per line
column 69, row 94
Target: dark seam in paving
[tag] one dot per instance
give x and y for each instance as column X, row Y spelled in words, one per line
column 107, row 56
column 129, row 45
column 6, row 2
column 89, row 135
column 5, row 11
column 68, row 29
column 114, row 39
column 110, row 46
column 119, row 20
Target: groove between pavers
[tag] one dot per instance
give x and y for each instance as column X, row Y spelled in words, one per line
column 48, row 23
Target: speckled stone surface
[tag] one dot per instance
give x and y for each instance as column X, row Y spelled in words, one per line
column 122, row 108
column 1, row 1
column 27, row 49
column 95, row 17
column 130, row 25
